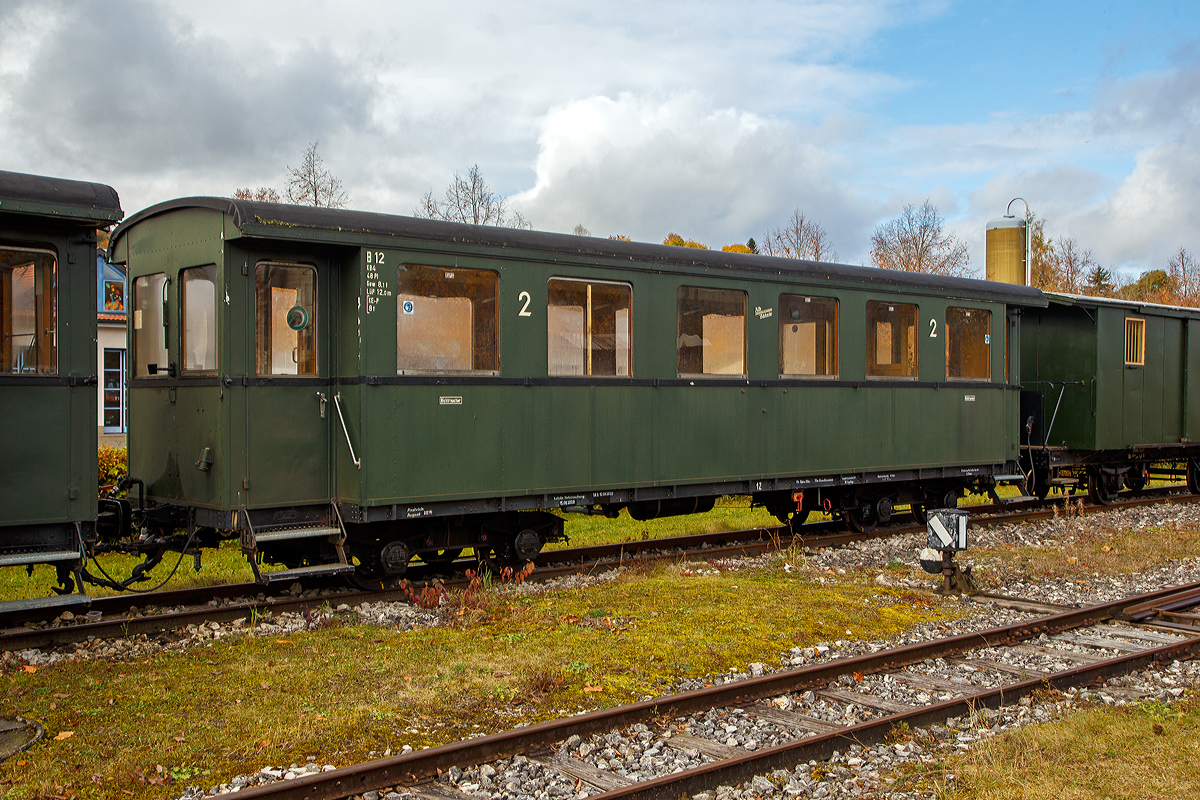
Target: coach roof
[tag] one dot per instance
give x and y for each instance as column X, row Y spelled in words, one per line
column 57, row 197
column 281, row 221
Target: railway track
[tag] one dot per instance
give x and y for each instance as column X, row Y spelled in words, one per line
column 154, row 613
column 1074, row 648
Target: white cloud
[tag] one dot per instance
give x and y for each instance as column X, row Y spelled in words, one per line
column 646, row 165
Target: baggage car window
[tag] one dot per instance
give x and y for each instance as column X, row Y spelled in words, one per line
column 28, row 312
column 587, row 325
column 968, row 344
column 150, row 325
column 199, row 303
column 808, row 335
column 712, row 331
column 891, row 340
column 446, row 320
column 1135, row 342
column 285, row 318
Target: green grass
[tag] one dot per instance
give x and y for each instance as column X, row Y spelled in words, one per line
column 1149, row 751
column 342, row 693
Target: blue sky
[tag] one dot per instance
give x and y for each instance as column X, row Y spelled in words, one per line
column 713, row 120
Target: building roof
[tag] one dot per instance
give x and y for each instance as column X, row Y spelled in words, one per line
column 93, row 203
column 282, row 221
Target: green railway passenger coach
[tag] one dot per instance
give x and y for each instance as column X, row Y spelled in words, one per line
column 343, row 389
column 48, row 369
column 1107, row 395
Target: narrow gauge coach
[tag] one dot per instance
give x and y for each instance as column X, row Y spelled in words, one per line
column 1107, row 399
column 345, row 390
column 48, row 503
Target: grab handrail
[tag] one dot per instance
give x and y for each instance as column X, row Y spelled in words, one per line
column 337, row 402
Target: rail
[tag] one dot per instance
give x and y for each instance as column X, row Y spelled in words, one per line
column 337, row 402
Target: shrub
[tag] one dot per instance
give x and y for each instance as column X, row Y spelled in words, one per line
column 113, row 465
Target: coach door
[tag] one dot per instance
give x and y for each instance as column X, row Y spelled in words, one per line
column 288, row 404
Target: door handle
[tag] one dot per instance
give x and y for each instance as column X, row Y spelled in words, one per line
column 321, row 395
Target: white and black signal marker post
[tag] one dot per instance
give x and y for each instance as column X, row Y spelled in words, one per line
column 947, row 531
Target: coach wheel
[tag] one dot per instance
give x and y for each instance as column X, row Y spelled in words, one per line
column 441, row 556
column 859, row 519
column 792, row 518
column 919, row 512
column 1135, row 479
column 1193, row 476
column 1101, row 488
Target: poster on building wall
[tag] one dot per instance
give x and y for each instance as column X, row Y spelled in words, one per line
column 114, row 296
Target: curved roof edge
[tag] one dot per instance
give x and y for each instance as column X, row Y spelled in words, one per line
column 265, row 219
column 38, row 195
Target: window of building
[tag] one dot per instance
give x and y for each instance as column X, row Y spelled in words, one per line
column 446, row 320
column 285, row 319
column 28, row 312
column 1135, row 342
column 891, row 340
column 587, row 326
column 968, row 344
column 199, row 304
column 114, row 390
column 150, row 325
column 808, row 336
column 712, row 331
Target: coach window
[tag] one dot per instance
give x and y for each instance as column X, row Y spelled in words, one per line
column 968, row 344
column 150, row 325
column 891, row 340
column 198, row 300
column 28, row 304
column 1135, row 342
column 711, row 325
column 285, row 319
column 446, row 320
column 808, row 332
column 587, row 323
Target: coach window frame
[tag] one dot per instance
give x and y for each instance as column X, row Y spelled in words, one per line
column 478, row 314
column 155, row 300
column 589, row 336
column 264, row 325
column 682, row 343
column 788, row 317
column 875, row 370
column 955, row 337
column 45, row 344
column 213, row 333
column 1137, row 359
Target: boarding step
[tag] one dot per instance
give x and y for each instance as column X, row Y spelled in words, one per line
column 319, row 571
column 46, row 557
column 285, row 534
column 64, row 601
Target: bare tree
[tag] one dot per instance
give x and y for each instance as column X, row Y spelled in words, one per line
column 581, row 231
column 1072, row 267
column 799, row 238
column 917, row 241
column 263, row 194
column 1185, row 275
column 469, row 199
column 313, row 185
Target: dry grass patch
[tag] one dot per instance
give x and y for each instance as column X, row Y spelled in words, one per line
column 1089, row 547
column 1149, row 751
column 349, row 692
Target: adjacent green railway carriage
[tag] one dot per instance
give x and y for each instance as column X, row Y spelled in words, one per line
column 1106, row 397
column 48, row 369
column 344, row 389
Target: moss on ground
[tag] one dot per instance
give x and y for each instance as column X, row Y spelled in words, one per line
column 345, row 693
